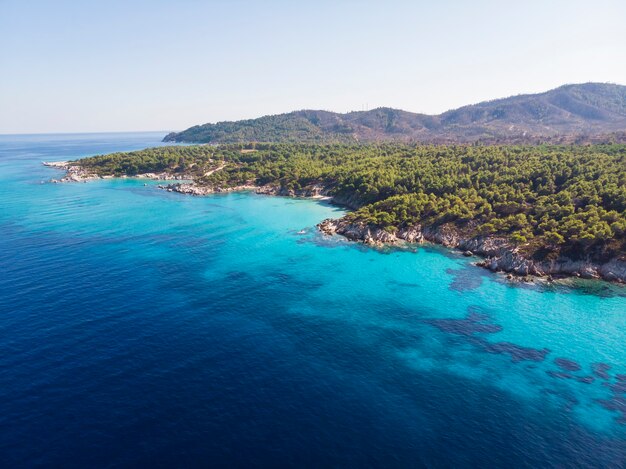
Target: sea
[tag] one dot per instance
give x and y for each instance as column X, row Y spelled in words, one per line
column 143, row 328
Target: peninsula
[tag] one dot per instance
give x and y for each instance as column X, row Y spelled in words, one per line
column 544, row 210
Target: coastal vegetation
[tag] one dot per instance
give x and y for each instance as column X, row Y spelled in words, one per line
column 541, row 198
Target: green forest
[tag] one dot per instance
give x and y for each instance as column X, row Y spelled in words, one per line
column 541, row 197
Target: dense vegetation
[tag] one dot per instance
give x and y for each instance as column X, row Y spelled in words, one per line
column 541, row 196
column 178, row 159
column 300, row 126
column 583, row 113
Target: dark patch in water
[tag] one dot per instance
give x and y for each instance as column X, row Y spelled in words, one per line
column 598, row 288
column 444, row 251
column 476, row 323
column 472, row 324
column 565, row 375
column 617, row 388
column 465, row 279
column 283, row 277
column 585, row 379
column 518, row 353
column 600, row 370
column 615, row 404
column 566, row 364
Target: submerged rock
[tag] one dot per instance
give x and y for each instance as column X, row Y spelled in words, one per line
column 585, row 379
column 615, row 404
column 566, row 364
column 465, row 279
column 517, row 352
column 465, row 327
column 600, row 370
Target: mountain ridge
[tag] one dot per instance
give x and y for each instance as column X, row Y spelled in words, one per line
column 572, row 113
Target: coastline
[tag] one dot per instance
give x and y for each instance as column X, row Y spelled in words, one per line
column 314, row 192
column 76, row 173
column 498, row 254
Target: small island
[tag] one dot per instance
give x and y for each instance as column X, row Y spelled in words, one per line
column 542, row 210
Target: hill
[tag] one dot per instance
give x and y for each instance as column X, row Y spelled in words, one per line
column 581, row 113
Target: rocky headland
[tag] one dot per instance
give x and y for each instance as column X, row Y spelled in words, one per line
column 77, row 173
column 498, row 253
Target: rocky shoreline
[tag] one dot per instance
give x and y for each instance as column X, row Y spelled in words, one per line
column 73, row 173
column 498, row 253
column 76, row 173
column 199, row 190
column 191, row 188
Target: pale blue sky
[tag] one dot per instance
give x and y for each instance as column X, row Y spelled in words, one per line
column 71, row 66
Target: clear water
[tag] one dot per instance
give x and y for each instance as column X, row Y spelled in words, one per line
column 140, row 327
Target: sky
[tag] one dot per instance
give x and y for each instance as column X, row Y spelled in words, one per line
column 87, row 66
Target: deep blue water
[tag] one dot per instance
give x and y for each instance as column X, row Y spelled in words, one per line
column 144, row 328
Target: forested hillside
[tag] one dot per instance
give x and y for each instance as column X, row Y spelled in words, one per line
column 585, row 113
column 542, row 197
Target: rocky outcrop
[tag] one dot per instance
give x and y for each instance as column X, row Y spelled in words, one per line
column 358, row 232
column 499, row 254
column 313, row 191
column 613, row 270
column 73, row 173
column 197, row 189
column 191, row 189
column 347, row 200
column 162, row 176
column 76, row 173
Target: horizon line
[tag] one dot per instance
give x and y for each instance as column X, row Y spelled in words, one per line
column 522, row 94
column 17, row 134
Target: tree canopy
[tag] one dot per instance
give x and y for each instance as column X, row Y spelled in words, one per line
column 540, row 196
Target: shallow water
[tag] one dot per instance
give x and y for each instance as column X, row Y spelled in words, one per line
column 141, row 327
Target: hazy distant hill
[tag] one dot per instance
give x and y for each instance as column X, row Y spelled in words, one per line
column 584, row 112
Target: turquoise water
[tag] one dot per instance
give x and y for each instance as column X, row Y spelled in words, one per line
column 144, row 327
